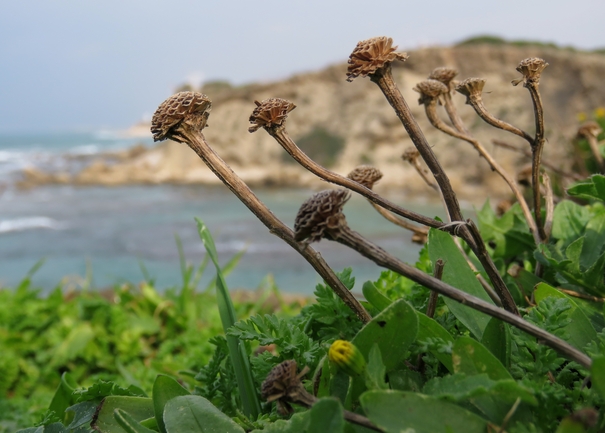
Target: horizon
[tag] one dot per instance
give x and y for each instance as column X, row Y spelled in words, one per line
column 69, row 66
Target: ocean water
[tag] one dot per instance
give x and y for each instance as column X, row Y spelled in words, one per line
column 106, row 233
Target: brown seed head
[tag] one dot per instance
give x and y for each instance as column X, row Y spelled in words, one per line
column 320, row 213
column 371, row 55
column 430, row 90
column 284, row 385
column 445, row 74
column 471, row 88
column 410, row 155
column 270, row 113
column 192, row 107
column 531, row 68
column 589, row 129
column 365, row 175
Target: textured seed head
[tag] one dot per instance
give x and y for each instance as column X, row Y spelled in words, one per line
column 531, row 68
column 271, row 112
column 192, row 107
column 365, row 175
column 430, row 90
column 410, row 155
column 444, row 74
column 371, row 55
column 279, row 379
column 589, row 129
column 320, row 213
column 471, row 88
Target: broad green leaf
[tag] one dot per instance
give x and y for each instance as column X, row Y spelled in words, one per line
column 471, row 357
column 580, row 331
column 63, row 395
column 509, row 233
column 138, row 407
column 192, row 413
column 429, row 328
column 128, row 423
column 592, row 188
column 323, row 389
column 298, row 423
column 326, row 416
column 394, row 330
column 374, row 297
column 597, row 371
column 569, row 220
column 398, row 412
column 375, row 370
column 164, row 389
column 74, row 344
column 237, row 350
column 458, row 274
column 595, row 238
column 81, row 414
column 497, row 340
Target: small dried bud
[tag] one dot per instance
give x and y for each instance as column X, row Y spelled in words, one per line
column 471, row 88
column 270, row 113
column 371, row 55
column 524, row 176
column 445, row 75
column 284, row 385
column 321, row 212
column 430, row 90
column 410, row 155
column 589, row 129
column 531, row 69
column 365, row 175
column 192, row 107
column 347, row 357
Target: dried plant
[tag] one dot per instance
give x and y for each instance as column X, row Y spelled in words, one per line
column 590, row 131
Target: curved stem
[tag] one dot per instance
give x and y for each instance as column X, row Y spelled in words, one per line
column 477, row 103
column 196, row 140
column 417, row 230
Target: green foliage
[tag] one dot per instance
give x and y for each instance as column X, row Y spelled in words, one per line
column 320, row 145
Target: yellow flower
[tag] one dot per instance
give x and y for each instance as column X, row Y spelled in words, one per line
column 581, row 117
column 347, row 357
column 599, row 113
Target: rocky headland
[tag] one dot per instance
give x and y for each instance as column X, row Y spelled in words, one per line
column 357, row 125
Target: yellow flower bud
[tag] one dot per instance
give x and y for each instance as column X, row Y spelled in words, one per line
column 347, row 357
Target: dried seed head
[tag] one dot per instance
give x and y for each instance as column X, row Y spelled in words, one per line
column 371, row 55
column 410, row 155
column 444, row 74
column 192, row 107
column 430, row 90
column 471, row 88
column 524, row 176
column 589, row 129
column 270, row 113
column 321, row 212
column 531, row 68
column 366, row 175
column 284, row 385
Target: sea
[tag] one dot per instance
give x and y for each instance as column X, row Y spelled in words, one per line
column 96, row 237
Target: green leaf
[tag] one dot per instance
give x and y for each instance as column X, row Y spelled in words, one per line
column 471, row 357
column 192, row 413
column 597, row 371
column 398, row 412
column 375, row 370
column 298, row 423
column 164, row 389
column 128, row 423
column 595, row 238
column 393, row 330
column 63, row 395
column 458, row 274
column 374, row 297
column 237, row 350
column 592, row 188
column 569, row 220
column 579, row 332
column 81, row 414
column 139, row 408
column 497, row 339
column 326, row 416
column 430, row 329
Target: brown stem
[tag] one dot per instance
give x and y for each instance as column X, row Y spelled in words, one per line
column 437, row 273
column 550, row 206
column 430, row 107
column 582, row 295
column 196, row 140
column 354, row 240
column 536, row 148
column 528, row 153
column 417, row 230
column 452, row 113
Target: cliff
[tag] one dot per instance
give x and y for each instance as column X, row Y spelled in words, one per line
column 356, row 120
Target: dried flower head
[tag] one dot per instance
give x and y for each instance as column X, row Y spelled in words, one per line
column 283, row 384
column 192, row 107
column 270, row 113
column 531, row 68
column 371, row 55
column 444, row 74
column 430, row 90
column 321, row 212
column 589, row 129
column 365, row 175
column 524, row 176
column 471, row 88
column 410, row 155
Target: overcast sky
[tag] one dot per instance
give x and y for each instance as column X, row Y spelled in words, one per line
column 74, row 64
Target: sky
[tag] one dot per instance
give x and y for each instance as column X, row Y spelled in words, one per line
column 81, row 65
